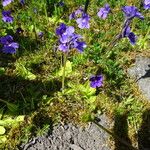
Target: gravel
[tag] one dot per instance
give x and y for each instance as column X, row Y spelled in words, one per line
column 70, row 137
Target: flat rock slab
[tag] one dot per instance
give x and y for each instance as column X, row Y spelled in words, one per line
column 141, row 72
column 70, row 137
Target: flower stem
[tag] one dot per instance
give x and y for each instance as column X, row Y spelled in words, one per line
column 34, row 30
column 86, row 6
column 45, row 10
column 63, row 75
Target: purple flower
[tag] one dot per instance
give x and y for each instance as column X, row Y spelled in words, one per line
column 83, row 22
column 63, row 47
column 6, row 16
column 40, row 34
column 61, row 3
column 69, row 31
column 67, row 35
column 72, row 16
column 6, row 2
column 104, row 11
column 61, row 29
column 68, row 39
column 131, row 11
column 76, row 13
column 6, row 39
column 8, row 45
column 19, row 30
column 10, row 48
column 131, row 36
column 96, row 81
column 82, row 18
column 146, row 4
column 80, row 46
column 22, row 2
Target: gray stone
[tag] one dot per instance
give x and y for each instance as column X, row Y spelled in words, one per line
column 141, row 72
column 70, row 137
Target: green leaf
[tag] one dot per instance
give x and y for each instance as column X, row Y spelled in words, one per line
column 2, row 70
column 3, row 139
column 20, row 118
column 12, row 107
column 82, row 88
column 44, row 97
column 129, row 100
column 7, row 122
column 1, row 112
column 69, row 91
column 2, row 130
column 54, row 19
column 86, row 90
column 24, row 72
column 2, row 123
column 91, row 91
column 92, row 107
column 91, row 100
column 31, row 27
column 68, row 69
column 10, row 122
column 86, row 117
column 30, row 76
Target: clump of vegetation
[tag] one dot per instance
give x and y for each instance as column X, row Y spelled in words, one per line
column 66, row 61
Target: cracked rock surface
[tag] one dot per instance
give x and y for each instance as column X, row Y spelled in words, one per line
column 70, row 137
column 141, row 72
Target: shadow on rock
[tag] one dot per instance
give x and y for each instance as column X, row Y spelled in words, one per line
column 121, row 130
column 146, row 75
column 144, row 132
